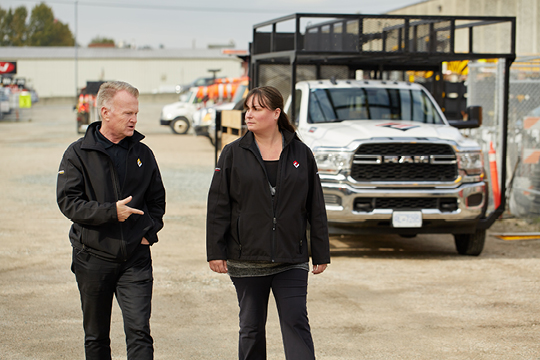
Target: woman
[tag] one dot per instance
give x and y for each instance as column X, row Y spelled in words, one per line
column 264, row 191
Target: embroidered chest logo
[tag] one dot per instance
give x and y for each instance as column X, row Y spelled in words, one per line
column 139, row 162
column 296, row 164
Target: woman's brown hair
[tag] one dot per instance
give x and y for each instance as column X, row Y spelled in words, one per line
column 270, row 98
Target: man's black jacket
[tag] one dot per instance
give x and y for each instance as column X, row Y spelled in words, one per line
column 88, row 189
column 244, row 223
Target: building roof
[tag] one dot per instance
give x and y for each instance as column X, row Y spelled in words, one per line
column 12, row 53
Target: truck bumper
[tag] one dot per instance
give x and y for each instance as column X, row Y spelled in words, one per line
column 201, row 130
column 445, row 210
column 165, row 122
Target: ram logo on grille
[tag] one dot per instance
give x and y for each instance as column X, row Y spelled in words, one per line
column 405, row 159
column 399, row 162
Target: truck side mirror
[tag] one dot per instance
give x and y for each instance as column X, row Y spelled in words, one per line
column 473, row 119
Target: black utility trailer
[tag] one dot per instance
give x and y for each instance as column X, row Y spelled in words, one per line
column 323, row 46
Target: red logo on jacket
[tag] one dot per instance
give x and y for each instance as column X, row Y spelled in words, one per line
column 296, row 164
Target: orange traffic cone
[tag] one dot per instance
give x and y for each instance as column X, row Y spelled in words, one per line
column 494, row 175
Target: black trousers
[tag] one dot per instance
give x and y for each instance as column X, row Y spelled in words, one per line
column 99, row 281
column 290, row 292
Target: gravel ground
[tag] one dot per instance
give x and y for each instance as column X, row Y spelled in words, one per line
column 383, row 297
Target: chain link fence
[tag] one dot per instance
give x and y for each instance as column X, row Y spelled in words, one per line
column 485, row 88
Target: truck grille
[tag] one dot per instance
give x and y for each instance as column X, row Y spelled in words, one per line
column 402, row 203
column 404, row 162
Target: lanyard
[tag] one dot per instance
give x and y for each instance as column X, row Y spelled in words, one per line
column 272, row 188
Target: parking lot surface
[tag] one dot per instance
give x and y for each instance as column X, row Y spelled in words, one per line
column 383, row 297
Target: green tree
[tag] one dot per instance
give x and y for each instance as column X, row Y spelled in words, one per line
column 45, row 30
column 13, row 29
column 41, row 30
column 3, row 27
column 101, row 41
column 18, row 26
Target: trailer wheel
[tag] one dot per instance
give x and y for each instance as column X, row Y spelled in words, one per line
column 180, row 125
column 470, row 244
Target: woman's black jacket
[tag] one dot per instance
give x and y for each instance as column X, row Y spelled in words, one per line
column 244, row 223
column 88, row 189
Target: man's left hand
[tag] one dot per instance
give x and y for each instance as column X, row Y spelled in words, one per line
column 318, row 269
column 144, row 241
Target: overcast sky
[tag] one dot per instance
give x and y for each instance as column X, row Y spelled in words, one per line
column 189, row 24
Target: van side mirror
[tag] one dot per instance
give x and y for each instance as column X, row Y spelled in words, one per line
column 473, row 119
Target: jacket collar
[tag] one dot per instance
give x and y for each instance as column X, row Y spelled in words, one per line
column 248, row 139
column 90, row 140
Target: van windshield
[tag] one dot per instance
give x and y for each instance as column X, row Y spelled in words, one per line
column 331, row 105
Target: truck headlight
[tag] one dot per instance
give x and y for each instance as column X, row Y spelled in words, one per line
column 332, row 162
column 209, row 117
column 167, row 115
column 472, row 162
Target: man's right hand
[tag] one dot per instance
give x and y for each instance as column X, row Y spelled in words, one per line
column 123, row 211
column 219, row 266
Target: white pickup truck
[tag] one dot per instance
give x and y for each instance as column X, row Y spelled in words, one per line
column 179, row 115
column 389, row 161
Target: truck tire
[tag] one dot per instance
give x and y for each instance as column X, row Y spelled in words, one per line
column 470, row 244
column 180, row 125
column 408, row 236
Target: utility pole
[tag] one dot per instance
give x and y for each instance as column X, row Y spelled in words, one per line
column 76, row 52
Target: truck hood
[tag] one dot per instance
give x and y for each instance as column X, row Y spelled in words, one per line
column 342, row 134
column 174, row 106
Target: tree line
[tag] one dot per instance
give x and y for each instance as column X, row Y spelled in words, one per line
column 40, row 29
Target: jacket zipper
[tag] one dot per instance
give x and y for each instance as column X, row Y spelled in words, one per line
column 117, row 193
column 274, row 222
column 274, row 203
column 239, row 243
column 273, row 197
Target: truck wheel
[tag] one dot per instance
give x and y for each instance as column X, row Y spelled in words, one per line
column 408, row 236
column 180, row 125
column 470, row 244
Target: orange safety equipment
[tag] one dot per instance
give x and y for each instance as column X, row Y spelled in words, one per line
column 202, row 91
column 494, row 176
column 232, row 80
column 223, row 89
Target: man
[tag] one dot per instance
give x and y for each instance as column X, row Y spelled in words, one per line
column 110, row 187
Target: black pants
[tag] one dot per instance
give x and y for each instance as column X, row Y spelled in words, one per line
column 99, row 280
column 290, row 292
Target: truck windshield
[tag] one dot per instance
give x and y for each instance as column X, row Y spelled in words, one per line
column 331, row 105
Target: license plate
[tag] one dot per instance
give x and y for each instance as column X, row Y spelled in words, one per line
column 407, row 219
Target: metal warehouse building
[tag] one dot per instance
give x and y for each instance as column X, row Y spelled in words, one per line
column 51, row 71
column 527, row 13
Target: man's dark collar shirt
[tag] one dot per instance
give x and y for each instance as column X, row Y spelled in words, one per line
column 117, row 152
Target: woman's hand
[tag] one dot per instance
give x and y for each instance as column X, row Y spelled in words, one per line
column 318, row 269
column 219, row 266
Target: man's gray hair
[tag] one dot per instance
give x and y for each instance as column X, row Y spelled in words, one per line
column 109, row 89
